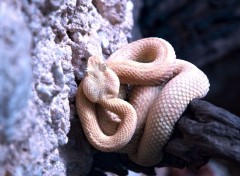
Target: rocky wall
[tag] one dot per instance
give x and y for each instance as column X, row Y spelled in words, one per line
column 44, row 45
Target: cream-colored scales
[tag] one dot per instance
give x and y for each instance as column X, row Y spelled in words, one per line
column 163, row 86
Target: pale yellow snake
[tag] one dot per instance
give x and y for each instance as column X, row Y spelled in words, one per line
column 163, row 87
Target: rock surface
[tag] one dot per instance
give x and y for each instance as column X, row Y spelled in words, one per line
column 44, row 45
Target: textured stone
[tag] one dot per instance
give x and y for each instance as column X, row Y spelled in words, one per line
column 16, row 111
column 44, row 45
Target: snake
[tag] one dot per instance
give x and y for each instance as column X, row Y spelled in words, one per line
column 131, row 101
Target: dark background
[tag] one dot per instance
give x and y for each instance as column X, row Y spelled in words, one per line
column 206, row 33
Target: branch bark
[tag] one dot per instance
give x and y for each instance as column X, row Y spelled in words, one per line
column 203, row 132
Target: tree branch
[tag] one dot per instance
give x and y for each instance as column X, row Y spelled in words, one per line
column 204, row 131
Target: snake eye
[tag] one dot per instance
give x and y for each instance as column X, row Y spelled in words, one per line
column 88, row 72
column 102, row 66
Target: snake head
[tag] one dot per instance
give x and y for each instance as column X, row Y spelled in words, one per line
column 99, row 82
column 94, row 63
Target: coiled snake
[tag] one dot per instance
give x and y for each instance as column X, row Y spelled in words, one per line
column 162, row 87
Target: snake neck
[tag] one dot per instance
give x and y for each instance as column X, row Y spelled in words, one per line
column 128, row 117
column 117, row 106
column 101, row 141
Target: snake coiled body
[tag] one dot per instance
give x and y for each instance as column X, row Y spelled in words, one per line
column 163, row 86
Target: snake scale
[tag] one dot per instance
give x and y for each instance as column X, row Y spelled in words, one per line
column 161, row 88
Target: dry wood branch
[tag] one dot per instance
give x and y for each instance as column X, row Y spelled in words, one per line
column 206, row 132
